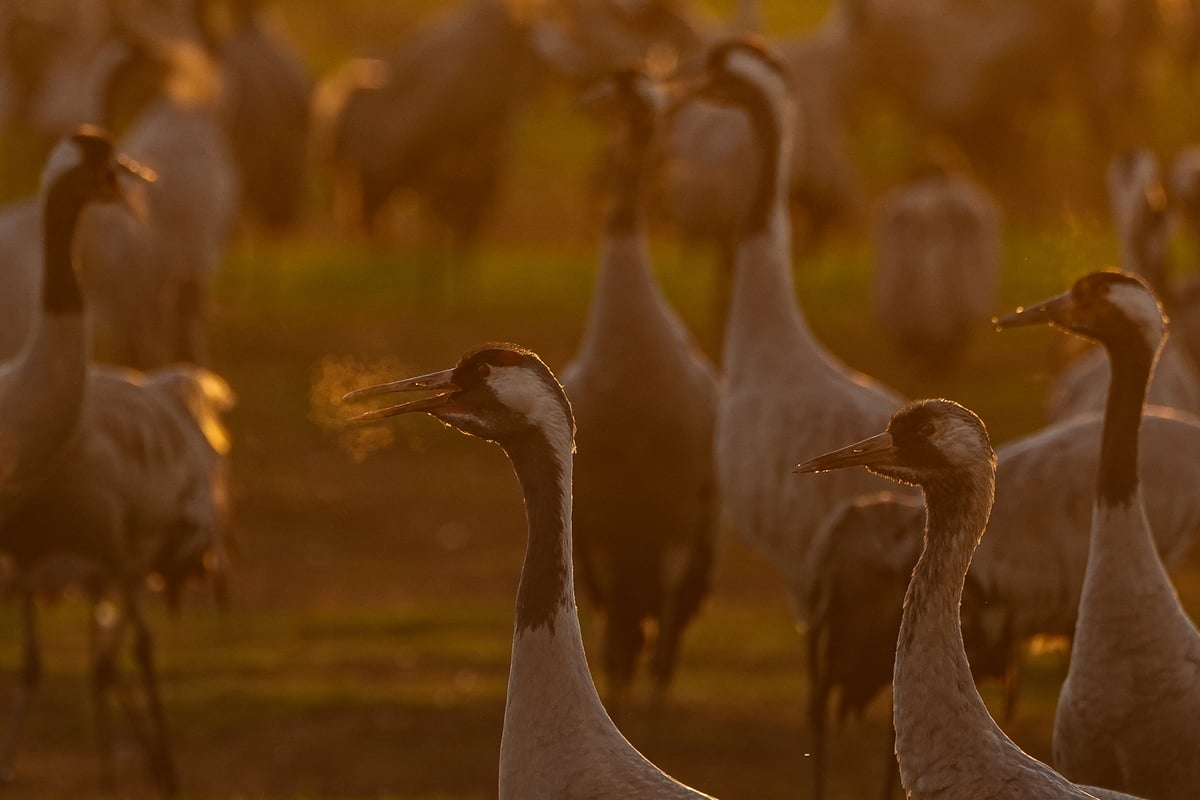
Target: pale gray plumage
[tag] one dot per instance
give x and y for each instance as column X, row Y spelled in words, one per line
column 138, row 491
column 862, row 558
column 42, row 385
column 937, row 264
column 1027, row 573
column 101, row 470
column 947, row 744
column 1082, row 386
column 146, row 273
column 1127, row 711
column 148, row 278
column 558, row 741
column 1033, row 559
column 1183, row 298
column 784, row 394
column 644, row 400
column 710, row 150
column 20, row 273
column 1144, row 223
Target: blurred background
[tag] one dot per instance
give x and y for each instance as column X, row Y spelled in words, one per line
column 365, row 646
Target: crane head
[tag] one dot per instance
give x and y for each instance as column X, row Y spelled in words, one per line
column 499, row 392
column 742, row 71
column 84, row 167
column 925, row 440
column 1110, row 307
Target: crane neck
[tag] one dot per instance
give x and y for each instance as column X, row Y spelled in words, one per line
column 552, row 704
column 1132, row 360
column 764, row 310
column 628, row 310
column 546, row 591
column 60, row 286
column 770, row 122
column 630, row 168
column 938, row 711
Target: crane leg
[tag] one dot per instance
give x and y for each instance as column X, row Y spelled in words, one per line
column 622, row 645
column 30, row 677
column 190, row 314
column 685, row 583
column 108, row 637
column 161, row 759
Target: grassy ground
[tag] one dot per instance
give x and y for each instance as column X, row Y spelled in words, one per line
column 366, row 651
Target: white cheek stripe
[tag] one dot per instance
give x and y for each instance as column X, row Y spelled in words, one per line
column 1140, row 306
column 752, row 69
column 525, row 393
column 65, row 157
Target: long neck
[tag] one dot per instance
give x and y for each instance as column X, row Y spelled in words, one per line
column 627, row 308
column 625, row 213
column 60, row 288
column 552, row 701
column 546, row 592
column 1122, row 557
column 1132, row 361
column 770, row 123
column 41, row 395
column 763, row 307
column 938, row 711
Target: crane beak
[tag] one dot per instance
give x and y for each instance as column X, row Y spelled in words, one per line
column 878, row 449
column 439, row 382
column 135, row 168
column 1056, row 309
column 135, row 204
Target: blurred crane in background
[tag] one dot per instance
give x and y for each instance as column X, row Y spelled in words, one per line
column 644, row 400
column 937, row 265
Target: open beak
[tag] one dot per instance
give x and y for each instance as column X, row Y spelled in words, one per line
column 136, row 169
column 878, row 449
column 1056, row 309
column 438, row 382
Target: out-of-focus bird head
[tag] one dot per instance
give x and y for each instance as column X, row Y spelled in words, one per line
column 742, row 71
column 84, row 167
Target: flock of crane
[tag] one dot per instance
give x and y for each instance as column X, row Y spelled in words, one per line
column 633, row 464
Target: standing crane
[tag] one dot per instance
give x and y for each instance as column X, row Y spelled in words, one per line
column 1127, row 712
column 42, row 388
column 937, row 264
column 947, row 744
column 114, row 474
column 784, row 393
column 644, row 400
column 558, row 740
